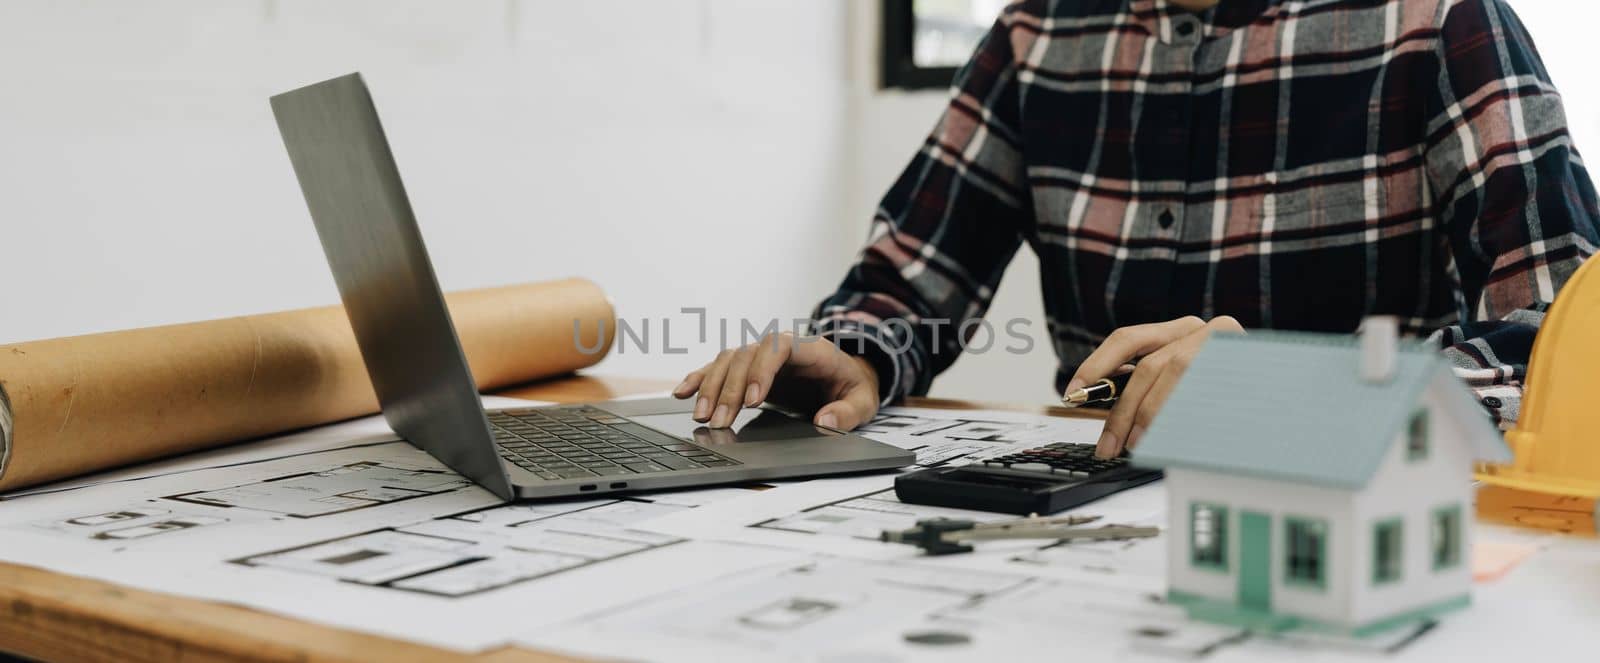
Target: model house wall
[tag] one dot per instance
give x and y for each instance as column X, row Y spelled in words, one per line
column 1277, row 500
column 1413, row 491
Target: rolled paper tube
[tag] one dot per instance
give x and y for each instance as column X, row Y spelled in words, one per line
column 70, row 406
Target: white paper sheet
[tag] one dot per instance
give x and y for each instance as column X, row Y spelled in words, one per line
column 379, row 538
column 958, row 436
column 807, row 608
column 830, row 608
column 844, row 517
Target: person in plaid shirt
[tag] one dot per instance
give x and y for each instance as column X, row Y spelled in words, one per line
column 1187, row 166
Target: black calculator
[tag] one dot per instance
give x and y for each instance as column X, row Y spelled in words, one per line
column 1051, row 478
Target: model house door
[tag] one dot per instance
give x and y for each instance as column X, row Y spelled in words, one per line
column 1255, row 561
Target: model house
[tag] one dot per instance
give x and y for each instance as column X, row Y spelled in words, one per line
column 1319, row 481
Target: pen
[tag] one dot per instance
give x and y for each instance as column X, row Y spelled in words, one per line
column 1101, row 391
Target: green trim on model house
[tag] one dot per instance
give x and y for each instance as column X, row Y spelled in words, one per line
column 1230, row 614
column 1412, row 616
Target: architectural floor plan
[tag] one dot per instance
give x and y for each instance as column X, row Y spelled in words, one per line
column 477, row 551
column 132, row 523
column 944, row 436
column 865, row 516
column 333, row 490
column 380, row 537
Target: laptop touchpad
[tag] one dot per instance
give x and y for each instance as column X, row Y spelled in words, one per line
column 751, row 425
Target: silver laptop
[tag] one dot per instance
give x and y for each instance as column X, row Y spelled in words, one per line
column 409, row 344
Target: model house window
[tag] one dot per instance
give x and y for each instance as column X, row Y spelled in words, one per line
column 1307, row 551
column 1208, row 536
column 1446, row 537
column 1417, row 436
column 1386, row 553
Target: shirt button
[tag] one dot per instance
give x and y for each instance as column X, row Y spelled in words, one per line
column 1493, row 402
column 1165, row 219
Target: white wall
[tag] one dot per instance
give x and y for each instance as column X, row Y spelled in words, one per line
column 682, row 153
column 718, row 153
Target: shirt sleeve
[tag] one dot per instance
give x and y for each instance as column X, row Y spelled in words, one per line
column 944, row 233
column 1517, row 207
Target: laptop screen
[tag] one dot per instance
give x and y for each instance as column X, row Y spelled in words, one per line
column 352, row 188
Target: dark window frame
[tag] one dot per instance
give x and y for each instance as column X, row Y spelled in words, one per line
column 1446, row 536
column 1214, row 555
column 1305, row 550
column 1388, row 551
column 898, row 59
column 1417, row 434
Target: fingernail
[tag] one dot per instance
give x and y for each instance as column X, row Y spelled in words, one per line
column 720, row 418
column 1107, row 446
column 702, row 408
column 680, row 388
column 1134, row 435
column 751, row 394
column 828, row 421
column 1075, row 384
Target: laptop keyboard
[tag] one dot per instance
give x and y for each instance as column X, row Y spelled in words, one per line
column 576, row 443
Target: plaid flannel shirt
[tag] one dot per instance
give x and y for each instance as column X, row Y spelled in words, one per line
column 1296, row 164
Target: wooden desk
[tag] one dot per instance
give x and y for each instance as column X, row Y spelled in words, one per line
column 51, row 616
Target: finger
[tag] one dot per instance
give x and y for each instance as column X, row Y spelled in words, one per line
column 1175, row 362
column 771, row 355
column 690, row 383
column 1120, row 422
column 1225, row 323
column 731, row 397
column 711, row 385
column 855, row 407
column 1127, row 343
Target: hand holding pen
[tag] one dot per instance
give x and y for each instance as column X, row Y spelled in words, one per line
column 1162, row 351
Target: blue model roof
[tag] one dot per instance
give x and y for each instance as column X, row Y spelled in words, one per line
column 1289, row 406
